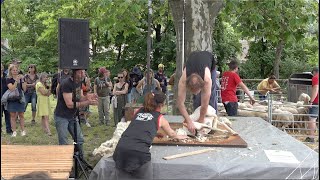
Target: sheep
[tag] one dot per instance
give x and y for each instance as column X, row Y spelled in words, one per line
column 305, row 98
column 107, row 148
column 285, row 116
column 211, row 122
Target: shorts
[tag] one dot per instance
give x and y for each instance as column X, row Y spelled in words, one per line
column 314, row 111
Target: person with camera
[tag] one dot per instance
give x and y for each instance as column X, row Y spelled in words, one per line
column 102, row 87
column 65, row 113
column 43, row 90
column 16, row 107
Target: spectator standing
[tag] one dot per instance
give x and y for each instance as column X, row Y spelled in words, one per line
column 43, row 105
column 135, row 77
column 314, row 109
column 16, row 108
column 64, row 74
column 85, row 111
column 31, row 79
column 162, row 78
column 102, row 87
column 154, row 84
column 4, row 88
column 229, row 82
column 127, row 80
column 120, row 91
column 268, row 85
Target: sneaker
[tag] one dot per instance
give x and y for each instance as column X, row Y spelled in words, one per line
column 88, row 125
column 23, row 133
column 33, row 122
column 14, row 134
column 308, row 139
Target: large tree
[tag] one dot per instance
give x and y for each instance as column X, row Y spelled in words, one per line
column 279, row 22
column 197, row 17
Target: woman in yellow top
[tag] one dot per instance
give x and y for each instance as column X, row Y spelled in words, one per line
column 268, row 85
column 43, row 102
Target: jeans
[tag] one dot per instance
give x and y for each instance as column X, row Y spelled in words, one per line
column 262, row 97
column 129, row 96
column 213, row 97
column 103, row 109
column 31, row 98
column 64, row 126
column 231, row 108
column 6, row 118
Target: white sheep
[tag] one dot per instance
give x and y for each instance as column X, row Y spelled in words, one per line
column 211, row 122
column 305, row 98
column 285, row 116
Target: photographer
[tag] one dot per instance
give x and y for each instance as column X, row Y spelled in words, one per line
column 65, row 111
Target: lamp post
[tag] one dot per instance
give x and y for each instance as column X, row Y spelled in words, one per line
column 149, row 44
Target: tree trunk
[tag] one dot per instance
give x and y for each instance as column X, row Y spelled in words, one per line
column 279, row 50
column 198, row 27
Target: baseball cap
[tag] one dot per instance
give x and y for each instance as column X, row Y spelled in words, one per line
column 102, row 70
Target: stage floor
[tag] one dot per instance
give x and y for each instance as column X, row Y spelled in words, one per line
column 230, row 163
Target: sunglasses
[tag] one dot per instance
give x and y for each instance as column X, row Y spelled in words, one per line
column 31, row 67
column 120, row 77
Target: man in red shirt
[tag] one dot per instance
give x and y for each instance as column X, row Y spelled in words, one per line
column 314, row 100
column 229, row 82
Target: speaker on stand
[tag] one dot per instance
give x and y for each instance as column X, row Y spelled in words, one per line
column 74, row 54
column 73, row 43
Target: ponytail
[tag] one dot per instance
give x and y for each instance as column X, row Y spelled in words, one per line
column 153, row 100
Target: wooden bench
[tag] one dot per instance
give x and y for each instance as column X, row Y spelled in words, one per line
column 18, row 160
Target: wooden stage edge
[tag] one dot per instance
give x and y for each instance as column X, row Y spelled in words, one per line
column 17, row 160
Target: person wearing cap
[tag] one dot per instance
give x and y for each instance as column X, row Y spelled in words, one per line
column 229, row 82
column 102, row 87
column 314, row 109
column 268, row 85
column 198, row 76
column 135, row 77
column 161, row 77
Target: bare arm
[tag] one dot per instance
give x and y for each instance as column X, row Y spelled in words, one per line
column 246, row 90
column 182, row 90
column 164, row 124
column 205, row 95
column 83, row 102
column 44, row 91
column 314, row 92
column 140, row 85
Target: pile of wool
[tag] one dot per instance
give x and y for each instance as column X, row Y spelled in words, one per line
column 107, row 148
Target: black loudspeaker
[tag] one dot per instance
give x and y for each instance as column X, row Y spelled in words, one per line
column 73, row 43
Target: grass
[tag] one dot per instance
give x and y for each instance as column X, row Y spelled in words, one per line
column 93, row 136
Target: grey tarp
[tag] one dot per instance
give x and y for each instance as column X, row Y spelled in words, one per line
column 229, row 163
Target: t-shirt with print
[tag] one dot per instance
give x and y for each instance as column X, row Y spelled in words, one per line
column 229, row 83
column 67, row 86
column 315, row 81
column 103, row 88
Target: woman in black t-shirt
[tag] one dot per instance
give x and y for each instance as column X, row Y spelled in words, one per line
column 132, row 154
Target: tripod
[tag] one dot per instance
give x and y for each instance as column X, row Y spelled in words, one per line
column 78, row 155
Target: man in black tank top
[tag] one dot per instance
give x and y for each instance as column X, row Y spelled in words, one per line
column 198, row 76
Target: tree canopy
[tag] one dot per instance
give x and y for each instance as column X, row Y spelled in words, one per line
column 282, row 34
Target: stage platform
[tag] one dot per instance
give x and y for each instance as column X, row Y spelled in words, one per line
column 19, row 160
column 230, row 163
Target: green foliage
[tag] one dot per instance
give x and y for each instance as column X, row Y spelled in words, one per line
column 225, row 41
